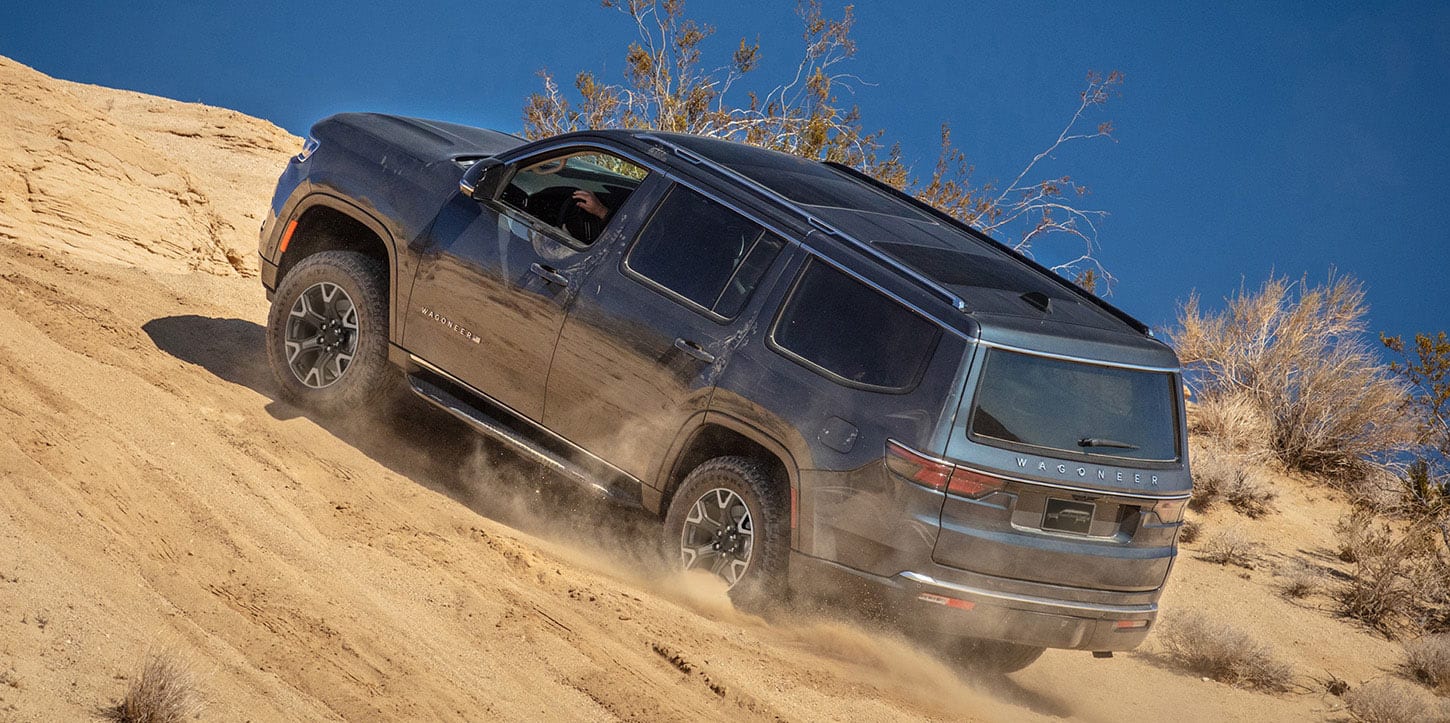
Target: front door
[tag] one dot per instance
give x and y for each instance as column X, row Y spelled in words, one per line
column 494, row 277
column 651, row 331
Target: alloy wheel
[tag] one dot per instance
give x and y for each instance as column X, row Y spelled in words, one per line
column 321, row 337
column 718, row 535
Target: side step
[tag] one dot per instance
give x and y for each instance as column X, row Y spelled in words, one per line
column 620, row 491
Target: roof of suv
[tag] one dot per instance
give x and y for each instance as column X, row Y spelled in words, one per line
column 995, row 285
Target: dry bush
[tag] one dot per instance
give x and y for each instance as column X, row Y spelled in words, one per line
column 165, row 692
column 1428, row 661
column 1398, row 578
column 1222, row 652
column 1298, row 353
column 1189, row 531
column 1229, row 547
column 1221, row 475
column 1390, row 701
column 1361, row 536
column 1300, row 580
column 1234, row 420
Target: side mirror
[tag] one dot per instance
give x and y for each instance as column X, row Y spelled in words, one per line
column 480, row 182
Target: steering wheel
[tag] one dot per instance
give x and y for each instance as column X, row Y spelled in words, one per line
column 579, row 223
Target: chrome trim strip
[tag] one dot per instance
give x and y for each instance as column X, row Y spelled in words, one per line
column 837, row 265
column 1081, row 360
column 1040, row 483
column 414, row 358
column 1071, row 488
column 654, row 166
column 791, row 237
column 911, row 274
column 1030, row 599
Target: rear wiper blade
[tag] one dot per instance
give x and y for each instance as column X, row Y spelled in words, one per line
column 1100, row 442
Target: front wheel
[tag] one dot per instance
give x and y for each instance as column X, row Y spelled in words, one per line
column 327, row 333
column 730, row 518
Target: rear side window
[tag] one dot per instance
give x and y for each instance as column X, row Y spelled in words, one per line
column 1081, row 409
column 849, row 331
column 702, row 251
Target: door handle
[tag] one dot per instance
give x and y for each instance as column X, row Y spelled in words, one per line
column 548, row 274
column 694, row 350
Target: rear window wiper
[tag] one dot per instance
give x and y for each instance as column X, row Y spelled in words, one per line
column 1100, row 442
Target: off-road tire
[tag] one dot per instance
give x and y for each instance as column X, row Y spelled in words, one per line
column 994, row 656
column 368, row 377
column 763, row 583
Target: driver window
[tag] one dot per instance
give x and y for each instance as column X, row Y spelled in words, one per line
column 575, row 191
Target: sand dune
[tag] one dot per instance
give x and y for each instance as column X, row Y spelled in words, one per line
column 154, row 496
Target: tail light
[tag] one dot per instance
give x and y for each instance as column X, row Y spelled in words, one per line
column 1169, row 511
column 939, row 474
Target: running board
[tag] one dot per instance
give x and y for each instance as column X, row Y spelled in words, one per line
column 619, row 491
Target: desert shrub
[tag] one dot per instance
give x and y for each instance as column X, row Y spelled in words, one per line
column 1229, row 547
column 1297, row 352
column 1189, row 532
column 1300, row 580
column 1361, row 536
column 1427, row 371
column 1222, row 652
column 1390, row 701
column 1428, row 661
column 1398, row 578
column 165, row 692
column 1234, row 420
column 1220, row 475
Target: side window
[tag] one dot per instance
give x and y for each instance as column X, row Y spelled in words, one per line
column 575, row 191
column 843, row 327
column 704, row 252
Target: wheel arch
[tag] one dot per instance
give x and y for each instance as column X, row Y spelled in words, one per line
column 328, row 223
column 717, row 435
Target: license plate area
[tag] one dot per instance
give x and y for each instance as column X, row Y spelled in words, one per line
column 1069, row 516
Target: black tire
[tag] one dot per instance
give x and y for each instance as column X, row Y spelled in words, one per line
column 994, row 656
column 762, row 581
column 309, row 377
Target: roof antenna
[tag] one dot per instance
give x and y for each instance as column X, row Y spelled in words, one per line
column 1039, row 300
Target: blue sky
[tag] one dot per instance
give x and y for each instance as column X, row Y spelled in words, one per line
column 1251, row 137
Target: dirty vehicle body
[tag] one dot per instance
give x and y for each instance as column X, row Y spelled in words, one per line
column 820, row 384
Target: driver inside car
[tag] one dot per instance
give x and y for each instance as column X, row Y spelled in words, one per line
column 590, row 203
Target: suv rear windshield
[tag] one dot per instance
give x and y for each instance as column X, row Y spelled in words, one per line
column 1080, row 409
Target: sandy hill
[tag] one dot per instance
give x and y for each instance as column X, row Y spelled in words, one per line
column 155, row 498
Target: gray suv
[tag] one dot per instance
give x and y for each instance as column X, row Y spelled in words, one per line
column 822, row 386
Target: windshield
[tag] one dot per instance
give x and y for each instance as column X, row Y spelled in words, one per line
column 1081, row 409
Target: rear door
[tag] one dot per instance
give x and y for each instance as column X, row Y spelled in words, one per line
column 494, row 277
column 652, row 329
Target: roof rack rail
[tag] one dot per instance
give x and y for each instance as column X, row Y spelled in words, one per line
column 815, row 222
column 1123, row 316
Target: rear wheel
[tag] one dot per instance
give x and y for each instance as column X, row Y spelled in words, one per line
column 730, row 518
column 327, row 333
column 994, row 656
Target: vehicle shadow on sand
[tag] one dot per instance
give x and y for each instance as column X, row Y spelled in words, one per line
column 416, row 441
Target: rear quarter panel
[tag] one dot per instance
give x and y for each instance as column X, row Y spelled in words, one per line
column 849, row 509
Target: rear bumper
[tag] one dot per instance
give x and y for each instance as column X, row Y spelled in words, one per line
column 937, row 607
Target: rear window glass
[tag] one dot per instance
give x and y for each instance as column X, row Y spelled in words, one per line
column 850, row 331
column 1083, row 409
